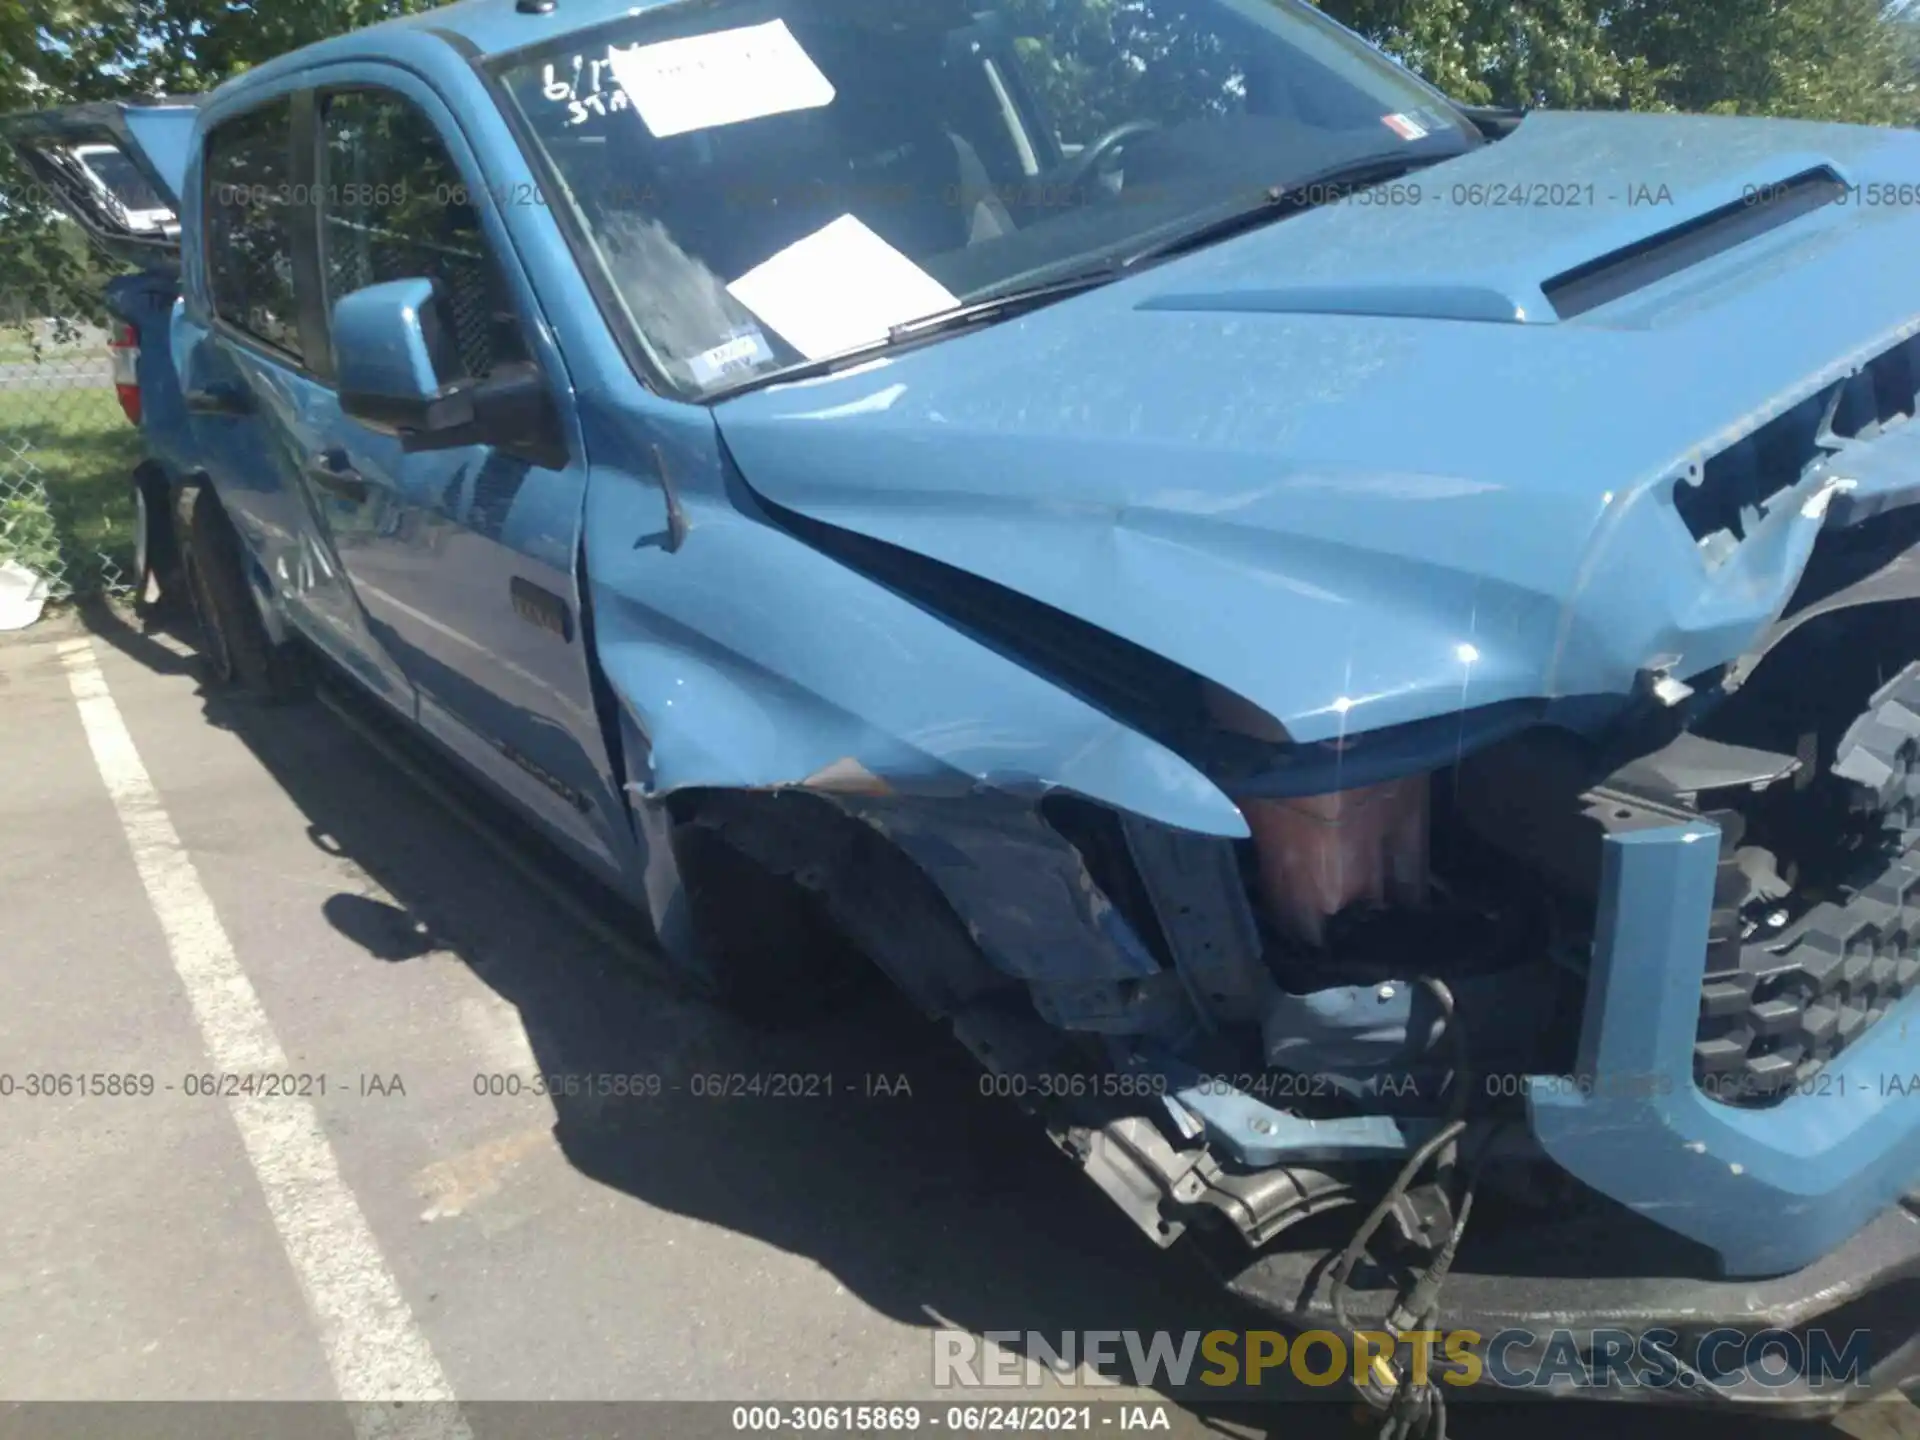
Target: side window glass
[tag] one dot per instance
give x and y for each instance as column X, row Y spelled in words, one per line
column 250, row 225
column 394, row 207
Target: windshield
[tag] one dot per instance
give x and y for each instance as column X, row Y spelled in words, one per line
column 766, row 182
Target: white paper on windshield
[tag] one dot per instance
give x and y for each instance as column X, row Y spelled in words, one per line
column 719, row 79
column 840, row 287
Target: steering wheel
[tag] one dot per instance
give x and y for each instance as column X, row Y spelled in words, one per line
column 1095, row 154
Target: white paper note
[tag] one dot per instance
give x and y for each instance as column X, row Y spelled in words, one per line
column 719, row 79
column 840, row 287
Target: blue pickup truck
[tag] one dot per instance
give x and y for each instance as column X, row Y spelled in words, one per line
column 1364, row 654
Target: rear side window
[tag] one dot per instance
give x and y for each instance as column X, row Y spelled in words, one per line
column 250, row 224
column 393, row 206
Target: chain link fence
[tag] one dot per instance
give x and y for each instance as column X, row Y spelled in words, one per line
column 66, row 450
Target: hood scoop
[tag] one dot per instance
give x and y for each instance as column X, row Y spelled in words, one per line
column 1390, row 299
column 1490, row 290
column 1633, row 267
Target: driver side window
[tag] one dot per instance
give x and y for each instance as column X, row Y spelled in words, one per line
column 394, row 206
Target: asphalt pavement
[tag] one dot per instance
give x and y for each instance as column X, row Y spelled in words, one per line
column 193, row 889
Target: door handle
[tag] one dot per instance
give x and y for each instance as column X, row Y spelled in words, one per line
column 219, row 398
column 332, row 471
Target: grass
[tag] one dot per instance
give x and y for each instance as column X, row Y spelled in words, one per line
column 16, row 347
column 79, row 444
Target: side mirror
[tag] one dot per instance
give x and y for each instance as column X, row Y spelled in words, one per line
column 390, row 352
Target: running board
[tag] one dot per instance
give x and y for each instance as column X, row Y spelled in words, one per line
column 593, row 907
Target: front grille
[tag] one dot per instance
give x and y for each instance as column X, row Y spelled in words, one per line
column 1736, row 484
column 1770, row 1023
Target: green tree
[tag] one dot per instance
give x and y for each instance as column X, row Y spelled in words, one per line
column 1823, row 59
column 56, row 52
column 1855, row 60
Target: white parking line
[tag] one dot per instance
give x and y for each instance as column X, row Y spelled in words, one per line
column 374, row 1347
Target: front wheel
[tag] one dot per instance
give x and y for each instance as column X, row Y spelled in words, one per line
column 235, row 648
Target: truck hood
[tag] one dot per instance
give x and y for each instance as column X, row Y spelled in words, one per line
column 1378, row 462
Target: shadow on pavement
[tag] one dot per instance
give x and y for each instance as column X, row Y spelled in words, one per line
column 935, row 1205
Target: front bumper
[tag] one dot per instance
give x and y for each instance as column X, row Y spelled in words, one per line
column 1765, row 1192
column 1546, row 1305
column 1768, row 1191
column 1771, row 1254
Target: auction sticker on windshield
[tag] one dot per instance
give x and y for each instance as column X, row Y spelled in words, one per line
column 704, row 81
column 744, row 351
column 840, row 287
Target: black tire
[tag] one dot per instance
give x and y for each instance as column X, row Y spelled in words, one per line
column 235, row 649
column 159, row 582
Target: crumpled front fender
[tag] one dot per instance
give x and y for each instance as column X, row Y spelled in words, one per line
column 746, row 659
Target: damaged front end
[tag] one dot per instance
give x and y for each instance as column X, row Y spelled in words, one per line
column 1639, row 999
column 1630, row 978
column 1337, row 831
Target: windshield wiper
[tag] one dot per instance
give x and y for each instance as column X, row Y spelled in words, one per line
column 798, row 370
column 1004, row 304
column 987, row 308
column 1277, row 200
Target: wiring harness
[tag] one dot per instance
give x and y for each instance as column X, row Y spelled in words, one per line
column 1413, row 1409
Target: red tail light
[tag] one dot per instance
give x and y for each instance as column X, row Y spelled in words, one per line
column 123, row 350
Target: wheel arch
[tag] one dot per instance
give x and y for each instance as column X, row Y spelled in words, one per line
column 196, row 489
